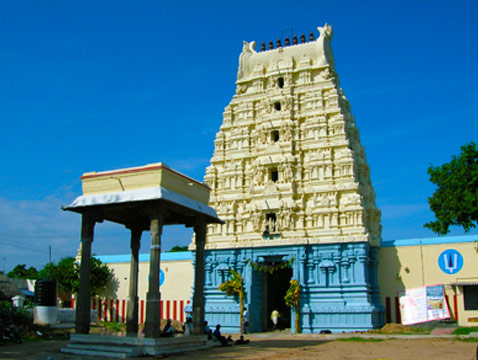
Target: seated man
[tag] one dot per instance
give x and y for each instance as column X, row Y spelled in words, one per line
column 207, row 331
column 217, row 334
column 241, row 341
column 168, row 329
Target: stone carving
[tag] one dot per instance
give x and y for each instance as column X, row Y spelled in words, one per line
column 326, row 31
column 247, row 51
column 316, row 153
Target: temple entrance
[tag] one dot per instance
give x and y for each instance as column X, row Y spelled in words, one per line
column 276, row 285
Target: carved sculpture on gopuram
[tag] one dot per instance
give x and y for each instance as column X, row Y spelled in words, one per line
column 288, row 154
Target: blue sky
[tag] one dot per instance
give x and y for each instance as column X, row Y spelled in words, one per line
column 99, row 85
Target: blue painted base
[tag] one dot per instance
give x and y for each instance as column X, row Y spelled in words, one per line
column 338, row 284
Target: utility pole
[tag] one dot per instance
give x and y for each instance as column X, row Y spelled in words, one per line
column 50, row 252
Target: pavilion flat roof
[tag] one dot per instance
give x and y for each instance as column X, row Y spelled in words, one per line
column 121, row 194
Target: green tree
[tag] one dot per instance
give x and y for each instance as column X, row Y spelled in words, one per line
column 100, row 275
column 67, row 274
column 455, row 201
column 177, row 248
column 292, row 298
column 21, row 272
column 232, row 287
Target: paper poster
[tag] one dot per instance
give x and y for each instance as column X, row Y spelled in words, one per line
column 423, row 304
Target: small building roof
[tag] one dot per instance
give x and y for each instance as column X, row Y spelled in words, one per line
column 121, row 195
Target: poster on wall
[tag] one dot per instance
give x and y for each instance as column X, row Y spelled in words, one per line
column 423, row 304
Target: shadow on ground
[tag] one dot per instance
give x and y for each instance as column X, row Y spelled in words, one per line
column 257, row 348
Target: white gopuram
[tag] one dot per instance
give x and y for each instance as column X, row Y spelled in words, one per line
column 290, row 179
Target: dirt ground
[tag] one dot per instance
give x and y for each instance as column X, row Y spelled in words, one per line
column 303, row 347
column 286, row 347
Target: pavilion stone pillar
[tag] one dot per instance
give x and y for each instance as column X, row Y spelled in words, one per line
column 132, row 314
column 198, row 297
column 82, row 324
column 152, row 327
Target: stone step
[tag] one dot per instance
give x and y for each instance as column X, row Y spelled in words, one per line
column 128, row 346
column 132, row 350
column 133, row 340
column 86, row 352
column 173, row 350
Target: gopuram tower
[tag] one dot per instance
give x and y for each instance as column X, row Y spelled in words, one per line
column 290, row 179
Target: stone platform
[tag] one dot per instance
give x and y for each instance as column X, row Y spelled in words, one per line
column 121, row 346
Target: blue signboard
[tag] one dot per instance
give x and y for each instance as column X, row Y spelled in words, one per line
column 450, row 261
column 161, row 277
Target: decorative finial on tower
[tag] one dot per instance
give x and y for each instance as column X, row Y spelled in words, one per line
column 302, row 38
column 287, row 41
column 294, row 40
column 271, row 45
column 311, row 36
column 279, row 44
column 263, row 46
column 326, row 31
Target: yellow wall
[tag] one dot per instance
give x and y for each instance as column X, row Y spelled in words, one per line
column 416, row 265
column 143, row 177
column 179, row 278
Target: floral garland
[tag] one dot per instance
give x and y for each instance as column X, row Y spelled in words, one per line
column 271, row 268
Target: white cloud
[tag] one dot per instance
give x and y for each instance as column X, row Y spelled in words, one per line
column 29, row 227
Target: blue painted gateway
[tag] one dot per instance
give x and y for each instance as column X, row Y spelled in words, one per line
column 338, row 287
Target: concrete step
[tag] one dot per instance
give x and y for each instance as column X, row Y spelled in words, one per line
column 131, row 350
column 155, row 351
column 85, row 352
column 129, row 346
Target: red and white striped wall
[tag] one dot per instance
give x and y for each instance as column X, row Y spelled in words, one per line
column 114, row 310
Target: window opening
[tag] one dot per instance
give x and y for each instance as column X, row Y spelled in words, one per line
column 275, row 135
column 270, row 224
column 280, row 82
column 470, row 295
column 273, row 175
column 277, row 105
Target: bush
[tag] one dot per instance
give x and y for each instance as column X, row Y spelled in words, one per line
column 17, row 316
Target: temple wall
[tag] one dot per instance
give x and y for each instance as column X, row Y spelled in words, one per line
column 338, row 282
column 400, row 266
column 176, row 277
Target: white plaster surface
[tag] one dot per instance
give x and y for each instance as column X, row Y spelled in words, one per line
column 155, row 193
column 292, row 151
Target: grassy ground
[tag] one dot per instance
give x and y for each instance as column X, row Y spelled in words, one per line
column 465, row 330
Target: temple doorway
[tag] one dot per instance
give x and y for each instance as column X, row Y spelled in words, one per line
column 276, row 285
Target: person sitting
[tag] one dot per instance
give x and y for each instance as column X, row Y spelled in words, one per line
column 207, row 331
column 241, row 341
column 218, row 336
column 168, row 329
column 188, row 326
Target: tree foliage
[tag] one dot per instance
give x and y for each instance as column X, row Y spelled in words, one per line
column 232, row 287
column 67, row 274
column 455, row 201
column 177, row 248
column 21, row 272
column 292, row 299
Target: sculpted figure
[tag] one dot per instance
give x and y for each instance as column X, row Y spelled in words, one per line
column 256, row 218
column 247, row 51
column 326, row 31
